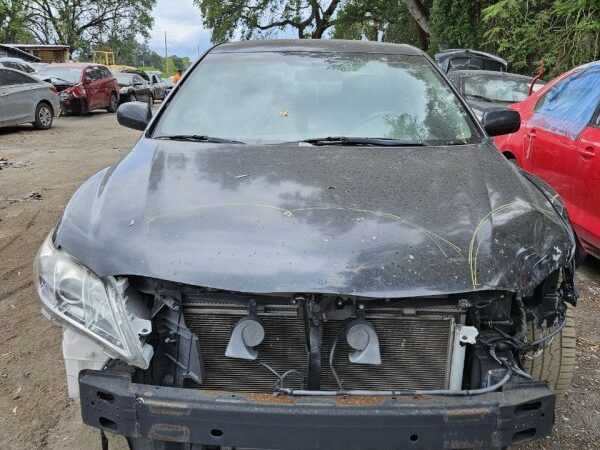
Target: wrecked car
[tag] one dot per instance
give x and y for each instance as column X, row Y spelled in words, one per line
column 83, row 87
column 314, row 244
column 489, row 89
column 559, row 141
column 133, row 87
column 467, row 59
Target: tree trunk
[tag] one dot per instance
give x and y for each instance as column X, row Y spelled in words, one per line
column 415, row 8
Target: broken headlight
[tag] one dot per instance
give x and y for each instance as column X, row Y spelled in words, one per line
column 75, row 296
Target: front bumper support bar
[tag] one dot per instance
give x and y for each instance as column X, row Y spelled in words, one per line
column 522, row 411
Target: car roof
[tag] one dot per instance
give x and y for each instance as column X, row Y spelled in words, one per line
column 74, row 65
column 317, row 45
column 8, row 58
column 494, row 73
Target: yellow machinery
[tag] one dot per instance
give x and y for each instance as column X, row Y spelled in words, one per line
column 104, row 57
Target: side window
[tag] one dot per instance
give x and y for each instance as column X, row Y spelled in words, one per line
column 569, row 106
column 93, row 73
column 104, row 72
column 12, row 65
column 11, row 78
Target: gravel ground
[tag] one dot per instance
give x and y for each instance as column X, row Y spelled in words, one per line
column 41, row 171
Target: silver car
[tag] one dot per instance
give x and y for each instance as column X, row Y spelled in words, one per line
column 26, row 99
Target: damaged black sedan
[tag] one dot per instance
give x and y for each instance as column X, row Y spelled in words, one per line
column 314, row 244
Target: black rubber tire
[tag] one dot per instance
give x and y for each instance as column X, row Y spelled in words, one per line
column 113, row 104
column 556, row 364
column 44, row 116
column 79, row 108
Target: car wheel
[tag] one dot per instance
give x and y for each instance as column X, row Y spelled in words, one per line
column 43, row 117
column 556, row 363
column 113, row 104
column 132, row 98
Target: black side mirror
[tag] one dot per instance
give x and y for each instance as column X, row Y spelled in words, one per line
column 134, row 115
column 501, row 121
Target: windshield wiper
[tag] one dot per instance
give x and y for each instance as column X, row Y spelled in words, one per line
column 360, row 141
column 199, row 138
column 480, row 97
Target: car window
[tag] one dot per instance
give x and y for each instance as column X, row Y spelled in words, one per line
column 105, row 73
column 93, row 73
column 271, row 97
column 497, row 88
column 569, row 106
column 10, row 78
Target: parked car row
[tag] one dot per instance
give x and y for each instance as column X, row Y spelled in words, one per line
column 559, row 137
column 72, row 88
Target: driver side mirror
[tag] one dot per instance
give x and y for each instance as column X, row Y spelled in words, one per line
column 87, row 80
column 497, row 122
column 135, row 115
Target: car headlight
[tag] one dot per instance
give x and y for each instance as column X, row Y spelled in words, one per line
column 105, row 310
column 123, row 90
column 63, row 95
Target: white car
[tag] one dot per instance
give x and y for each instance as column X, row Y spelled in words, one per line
column 26, row 99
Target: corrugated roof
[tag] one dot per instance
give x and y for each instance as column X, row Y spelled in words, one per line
column 27, row 56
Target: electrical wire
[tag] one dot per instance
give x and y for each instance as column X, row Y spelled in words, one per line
column 280, row 377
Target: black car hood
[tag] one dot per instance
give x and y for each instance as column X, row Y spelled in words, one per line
column 370, row 221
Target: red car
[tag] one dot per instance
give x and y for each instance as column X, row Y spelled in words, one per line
column 559, row 141
column 83, row 87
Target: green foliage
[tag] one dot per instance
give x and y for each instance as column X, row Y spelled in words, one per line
column 13, row 17
column 565, row 33
column 258, row 19
column 382, row 20
column 456, row 24
column 83, row 24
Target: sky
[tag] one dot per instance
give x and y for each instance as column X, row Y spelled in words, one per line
column 183, row 23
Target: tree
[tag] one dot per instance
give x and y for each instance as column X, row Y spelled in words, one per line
column 227, row 18
column 13, row 17
column 383, row 20
column 564, row 33
column 456, row 24
column 83, row 23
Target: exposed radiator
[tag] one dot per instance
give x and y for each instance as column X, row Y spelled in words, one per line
column 415, row 348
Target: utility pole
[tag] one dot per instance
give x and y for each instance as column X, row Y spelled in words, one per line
column 166, row 55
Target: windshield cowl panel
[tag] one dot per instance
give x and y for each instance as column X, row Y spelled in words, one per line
column 282, row 97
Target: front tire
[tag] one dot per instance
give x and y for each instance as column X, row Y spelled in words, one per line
column 113, row 103
column 44, row 116
column 556, row 363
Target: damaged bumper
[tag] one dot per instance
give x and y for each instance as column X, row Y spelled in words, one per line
column 522, row 411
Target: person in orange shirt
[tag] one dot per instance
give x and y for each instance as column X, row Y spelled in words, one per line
column 177, row 76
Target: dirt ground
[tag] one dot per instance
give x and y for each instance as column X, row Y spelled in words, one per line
column 41, row 172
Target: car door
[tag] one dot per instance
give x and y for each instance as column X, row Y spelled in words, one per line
column 106, row 77
column 143, row 89
column 17, row 97
column 554, row 130
column 93, row 86
column 585, row 209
